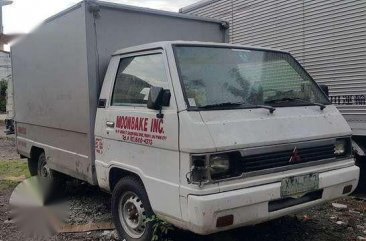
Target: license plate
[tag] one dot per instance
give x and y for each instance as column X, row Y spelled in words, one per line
column 299, row 185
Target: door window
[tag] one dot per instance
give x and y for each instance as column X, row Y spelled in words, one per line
column 134, row 77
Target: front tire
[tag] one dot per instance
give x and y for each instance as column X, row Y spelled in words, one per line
column 130, row 208
column 361, row 163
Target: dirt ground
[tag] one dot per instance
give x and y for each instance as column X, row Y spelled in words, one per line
column 86, row 204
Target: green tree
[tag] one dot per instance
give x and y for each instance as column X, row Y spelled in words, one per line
column 3, row 89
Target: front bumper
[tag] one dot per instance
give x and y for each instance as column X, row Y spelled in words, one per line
column 252, row 205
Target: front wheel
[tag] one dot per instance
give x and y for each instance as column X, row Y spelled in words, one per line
column 361, row 163
column 130, row 208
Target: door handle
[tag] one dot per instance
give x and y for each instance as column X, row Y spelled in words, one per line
column 109, row 124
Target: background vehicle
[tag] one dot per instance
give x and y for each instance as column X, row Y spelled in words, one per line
column 208, row 136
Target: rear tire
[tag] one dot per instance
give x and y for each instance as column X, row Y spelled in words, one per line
column 130, row 208
column 54, row 182
column 33, row 167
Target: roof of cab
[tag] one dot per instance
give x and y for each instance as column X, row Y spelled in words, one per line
column 164, row 44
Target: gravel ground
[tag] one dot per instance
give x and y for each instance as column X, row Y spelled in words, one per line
column 86, row 204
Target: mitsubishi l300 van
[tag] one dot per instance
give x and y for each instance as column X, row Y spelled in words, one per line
column 206, row 136
column 217, row 136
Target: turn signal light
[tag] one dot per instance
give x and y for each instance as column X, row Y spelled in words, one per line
column 347, row 189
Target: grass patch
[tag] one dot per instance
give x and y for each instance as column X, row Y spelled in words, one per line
column 12, row 173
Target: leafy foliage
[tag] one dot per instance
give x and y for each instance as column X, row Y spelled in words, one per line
column 3, row 89
column 161, row 229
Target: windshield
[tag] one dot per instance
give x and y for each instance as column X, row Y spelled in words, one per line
column 220, row 76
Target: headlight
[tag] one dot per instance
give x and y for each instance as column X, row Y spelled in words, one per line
column 225, row 165
column 219, row 165
column 342, row 147
column 214, row 167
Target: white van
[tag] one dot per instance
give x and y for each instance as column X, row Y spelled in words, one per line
column 227, row 136
column 207, row 136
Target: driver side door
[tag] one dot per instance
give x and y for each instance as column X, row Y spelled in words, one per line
column 131, row 137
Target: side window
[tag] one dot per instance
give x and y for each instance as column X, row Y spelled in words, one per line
column 134, row 77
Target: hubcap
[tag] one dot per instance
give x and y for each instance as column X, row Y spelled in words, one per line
column 132, row 214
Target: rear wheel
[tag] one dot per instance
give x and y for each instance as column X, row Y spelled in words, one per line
column 33, row 166
column 130, row 208
column 53, row 182
column 43, row 170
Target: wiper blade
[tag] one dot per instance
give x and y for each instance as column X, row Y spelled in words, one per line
column 228, row 104
column 289, row 99
column 225, row 104
column 268, row 107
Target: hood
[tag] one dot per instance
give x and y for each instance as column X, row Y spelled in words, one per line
column 233, row 129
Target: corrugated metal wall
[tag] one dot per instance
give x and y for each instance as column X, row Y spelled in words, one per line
column 328, row 37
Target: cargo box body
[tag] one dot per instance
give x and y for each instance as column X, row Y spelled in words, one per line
column 58, row 70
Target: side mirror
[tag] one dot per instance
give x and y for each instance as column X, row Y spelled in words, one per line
column 158, row 97
column 325, row 89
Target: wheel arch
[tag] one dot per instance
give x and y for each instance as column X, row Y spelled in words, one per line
column 35, row 152
column 116, row 173
column 151, row 185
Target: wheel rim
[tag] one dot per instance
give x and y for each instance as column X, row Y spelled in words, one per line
column 132, row 214
column 43, row 170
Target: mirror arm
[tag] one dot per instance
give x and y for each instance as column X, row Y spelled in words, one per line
column 160, row 115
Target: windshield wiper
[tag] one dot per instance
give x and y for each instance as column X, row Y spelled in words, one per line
column 228, row 104
column 268, row 107
column 225, row 104
column 289, row 99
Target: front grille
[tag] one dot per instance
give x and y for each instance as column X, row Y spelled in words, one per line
column 265, row 161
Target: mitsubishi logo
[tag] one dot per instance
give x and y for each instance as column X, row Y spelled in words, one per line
column 295, row 157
